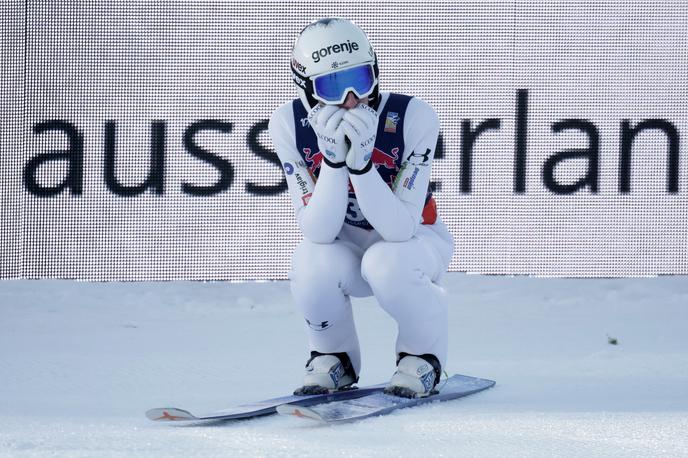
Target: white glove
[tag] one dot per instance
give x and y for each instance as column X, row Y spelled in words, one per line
column 325, row 119
column 360, row 126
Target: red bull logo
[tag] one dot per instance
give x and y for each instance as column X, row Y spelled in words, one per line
column 386, row 160
column 313, row 159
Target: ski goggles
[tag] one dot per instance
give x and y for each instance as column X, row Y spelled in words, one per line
column 332, row 88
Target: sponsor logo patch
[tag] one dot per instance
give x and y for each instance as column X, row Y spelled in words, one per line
column 388, row 161
column 337, row 373
column 288, row 168
column 313, row 159
column 397, row 178
column 298, row 65
column 302, row 184
column 367, row 142
column 347, row 46
column 391, row 122
column 318, row 326
column 298, row 80
column 408, row 182
column 428, row 380
column 420, row 159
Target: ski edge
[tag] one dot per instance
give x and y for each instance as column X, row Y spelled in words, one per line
column 164, row 414
column 299, row 411
column 307, row 413
column 175, row 414
column 421, row 402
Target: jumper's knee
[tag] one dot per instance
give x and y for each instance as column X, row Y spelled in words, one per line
column 317, row 262
column 385, row 265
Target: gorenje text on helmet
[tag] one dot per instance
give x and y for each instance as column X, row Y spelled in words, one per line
column 334, row 49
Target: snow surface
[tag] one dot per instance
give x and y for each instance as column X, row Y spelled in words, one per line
column 81, row 362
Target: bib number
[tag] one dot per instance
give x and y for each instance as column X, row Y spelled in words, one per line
column 353, row 212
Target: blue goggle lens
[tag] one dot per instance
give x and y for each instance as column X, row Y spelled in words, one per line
column 333, row 87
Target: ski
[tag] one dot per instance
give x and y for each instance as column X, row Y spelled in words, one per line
column 378, row 403
column 260, row 408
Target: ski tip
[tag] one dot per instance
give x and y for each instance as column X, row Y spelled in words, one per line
column 298, row 411
column 170, row 414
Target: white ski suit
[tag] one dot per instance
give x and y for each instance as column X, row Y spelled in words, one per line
column 375, row 233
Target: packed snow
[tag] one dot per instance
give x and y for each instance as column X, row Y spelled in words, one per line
column 80, row 363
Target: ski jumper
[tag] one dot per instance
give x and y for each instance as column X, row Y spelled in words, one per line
column 377, row 233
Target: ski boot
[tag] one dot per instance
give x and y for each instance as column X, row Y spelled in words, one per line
column 327, row 372
column 415, row 377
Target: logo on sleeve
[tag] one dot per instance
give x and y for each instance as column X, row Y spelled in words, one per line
column 288, row 168
column 408, row 181
column 397, row 178
column 302, row 184
column 414, row 157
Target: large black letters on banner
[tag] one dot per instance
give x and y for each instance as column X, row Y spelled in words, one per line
column 628, row 134
column 270, row 156
column 156, row 173
column 591, row 178
column 436, row 186
column 75, row 155
column 520, row 145
column 468, row 139
column 223, row 166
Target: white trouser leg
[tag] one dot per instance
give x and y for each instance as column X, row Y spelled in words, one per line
column 402, row 276
column 323, row 276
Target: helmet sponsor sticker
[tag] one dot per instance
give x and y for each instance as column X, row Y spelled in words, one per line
column 334, row 49
column 298, row 65
column 298, row 80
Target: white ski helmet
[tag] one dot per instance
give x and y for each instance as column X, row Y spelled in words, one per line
column 329, row 46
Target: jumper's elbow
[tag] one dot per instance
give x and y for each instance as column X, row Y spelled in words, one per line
column 314, row 230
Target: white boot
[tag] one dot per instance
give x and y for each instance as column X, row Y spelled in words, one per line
column 415, row 377
column 326, row 373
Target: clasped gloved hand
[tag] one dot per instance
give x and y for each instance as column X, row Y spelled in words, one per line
column 360, row 127
column 325, row 121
